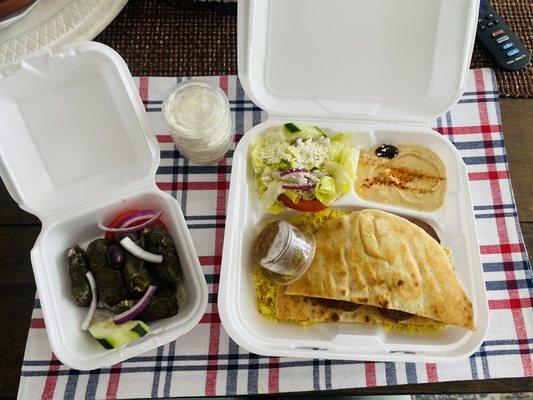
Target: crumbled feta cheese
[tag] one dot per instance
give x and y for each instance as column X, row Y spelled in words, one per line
column 305, row 154
column 300, row 178
column 309, row 154
column 318, row 173
column 273, row 153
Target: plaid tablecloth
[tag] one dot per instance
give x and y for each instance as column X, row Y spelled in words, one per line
column 206, row 362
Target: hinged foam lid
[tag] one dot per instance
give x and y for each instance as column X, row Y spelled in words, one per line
column 380, row 59
column 73, row 129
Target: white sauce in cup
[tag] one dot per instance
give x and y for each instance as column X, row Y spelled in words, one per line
column 198, row 116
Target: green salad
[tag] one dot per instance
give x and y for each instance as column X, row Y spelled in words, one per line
column 302, row 167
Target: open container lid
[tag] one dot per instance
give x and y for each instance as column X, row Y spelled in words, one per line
column 73, row 129
column 384, row 60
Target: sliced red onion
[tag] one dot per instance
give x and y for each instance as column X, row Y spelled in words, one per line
column 138, row 216
column 137, row 308
column 92, row 308
column 292, row 171
column 307, row 186
column 154, row 218
column 120, row 222
column 139, row 252
column 296, row 175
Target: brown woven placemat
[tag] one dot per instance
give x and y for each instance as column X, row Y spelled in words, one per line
column 175, row 37
column 519, row 15
column 188, row 38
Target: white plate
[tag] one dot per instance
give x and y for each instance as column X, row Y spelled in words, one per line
column 454, row 223
column 53, row 23
column 17, row 15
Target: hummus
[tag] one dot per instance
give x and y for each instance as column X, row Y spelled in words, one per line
column 415, row 178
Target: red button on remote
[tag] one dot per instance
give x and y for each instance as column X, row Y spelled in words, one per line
column 497, row 33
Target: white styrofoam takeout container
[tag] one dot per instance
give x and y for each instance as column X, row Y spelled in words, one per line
column 76, row 148
column 382, row 69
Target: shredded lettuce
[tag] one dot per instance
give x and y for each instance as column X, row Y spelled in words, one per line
column 276, row 208
column 344, row 138
column 343, row 180
column 335, row 149
column 326, row 191
column 275, row 135
column 293, row 195
column 348, row 158
column 271, row 194
column 255, row 148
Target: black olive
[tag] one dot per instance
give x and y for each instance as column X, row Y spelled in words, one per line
column 115, row 255
column 387, row 151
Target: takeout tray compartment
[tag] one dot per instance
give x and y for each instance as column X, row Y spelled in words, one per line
column 303, row 61
column 63, row 317
column 76, row 148
column 454, row 223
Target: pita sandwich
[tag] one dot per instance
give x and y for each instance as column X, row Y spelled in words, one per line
column 384, row 262
column 312, row 309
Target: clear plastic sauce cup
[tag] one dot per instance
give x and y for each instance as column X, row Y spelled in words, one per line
column 198, row 115
column 284, row 251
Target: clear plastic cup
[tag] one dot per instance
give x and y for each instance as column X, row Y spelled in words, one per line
column 198, row 116
column 284, row 251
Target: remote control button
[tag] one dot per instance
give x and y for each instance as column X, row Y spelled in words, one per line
column 496, row 21
column 502, row 39
column 482, row 27
column 480, row 20
column 497, row 33
column 506, row 46
column 512, row 52
column 490, row 23
column 489, row 16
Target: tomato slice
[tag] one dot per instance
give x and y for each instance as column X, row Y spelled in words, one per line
column 123, row 217
column 302, row 205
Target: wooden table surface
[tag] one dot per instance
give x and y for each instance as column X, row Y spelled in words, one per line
column 18, row 231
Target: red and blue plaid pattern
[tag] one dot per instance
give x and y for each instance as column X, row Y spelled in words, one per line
column 207, row 362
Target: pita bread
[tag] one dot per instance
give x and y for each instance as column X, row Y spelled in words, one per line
column 379, row 259
column 302, row 308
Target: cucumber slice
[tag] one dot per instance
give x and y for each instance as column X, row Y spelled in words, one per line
column 294, row 131
column 318, row 131
column 291, row 128
column 111, row 335
column 315, row 131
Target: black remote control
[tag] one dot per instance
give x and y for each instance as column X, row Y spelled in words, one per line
column 498, row 39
